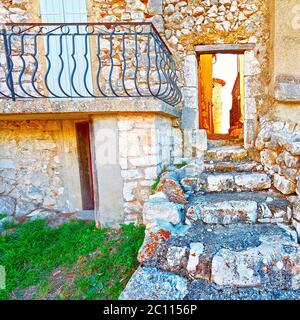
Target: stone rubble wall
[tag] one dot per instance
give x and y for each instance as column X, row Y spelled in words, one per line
column 17, row 11
column 279, row 145
column 32, row 173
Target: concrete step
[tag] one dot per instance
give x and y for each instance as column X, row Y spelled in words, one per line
column 232, row 166
column 234, row 207
column 226, row 153
column 264, row 256
column 243, row 181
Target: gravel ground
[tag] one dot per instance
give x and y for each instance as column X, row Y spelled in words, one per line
column 204, row 290
column 236, row 237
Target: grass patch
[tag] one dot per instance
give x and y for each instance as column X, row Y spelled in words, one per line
column 182, row 164
column 99, row 262
column 2, row 216
column 155, row 184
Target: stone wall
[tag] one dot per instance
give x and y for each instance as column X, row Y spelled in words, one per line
column 131, row 151
column 279, row 146
column 184, row 24
column 279, row 135
column 196, row 23
column 36, row 158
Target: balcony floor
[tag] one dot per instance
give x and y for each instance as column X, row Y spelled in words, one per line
column 40, row 108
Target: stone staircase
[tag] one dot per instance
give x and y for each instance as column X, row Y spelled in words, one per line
column 233, row 238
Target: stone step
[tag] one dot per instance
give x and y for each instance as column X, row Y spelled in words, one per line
column 226, row 153
column 224, row 142
column 232, row 166
column 265, row 256
column 243, row 181
column 233, row 207
column 158, row 284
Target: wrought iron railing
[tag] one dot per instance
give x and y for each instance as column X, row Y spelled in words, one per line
column 86, row 60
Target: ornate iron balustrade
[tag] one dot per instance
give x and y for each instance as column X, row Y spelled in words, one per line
column 86, row 60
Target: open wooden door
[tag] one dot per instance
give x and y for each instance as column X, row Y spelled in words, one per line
column 85, row 165
column 205, row 74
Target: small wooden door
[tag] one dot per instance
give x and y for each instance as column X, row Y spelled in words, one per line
column 85, row 165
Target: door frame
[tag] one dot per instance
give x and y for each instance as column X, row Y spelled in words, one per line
column 249, row 104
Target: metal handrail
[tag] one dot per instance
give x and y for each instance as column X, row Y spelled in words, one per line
column 86, row 60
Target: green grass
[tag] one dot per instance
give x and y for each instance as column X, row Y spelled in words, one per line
column 182, row 164
column 100, row 261
column 2, row 216
column 155, row 184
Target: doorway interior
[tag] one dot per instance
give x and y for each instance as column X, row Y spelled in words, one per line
column 221, row 95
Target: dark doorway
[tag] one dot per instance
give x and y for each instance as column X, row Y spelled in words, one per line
column 85, row 165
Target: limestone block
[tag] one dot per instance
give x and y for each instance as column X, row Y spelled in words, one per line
column 256, row 266
column 157, row 210
column 290, row 174
column 128, row 190
column 188, row 143
column 189, row 118
column 253, row 182
column 155, row 7
column 196, row 251
column 252, row 65
column 217, row 183
column 290, row 161
column 287, row 89
column 158, row 23
column 7, row 205
column 155, row 235
column 172, row 258
column 156, row 284
column 253, row 88
column 249, row 132
column 24, row 207
column 131, row 174
column 200, row 139
column 250, row 108
column 144, row 161
column 190, row 97
column 177, row 144
column 227, row 212
column 292, row 144
column 151, row 173
column 190, row 70
column 173, row 190
column 284, row 185
column 268, row 158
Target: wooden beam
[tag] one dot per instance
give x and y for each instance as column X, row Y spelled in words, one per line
column 223, row 48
